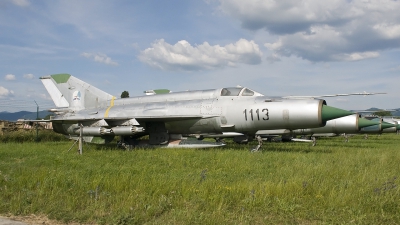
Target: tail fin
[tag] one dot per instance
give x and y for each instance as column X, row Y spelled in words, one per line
column 68, row 91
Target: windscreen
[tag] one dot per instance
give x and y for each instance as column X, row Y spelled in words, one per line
column 233, row 91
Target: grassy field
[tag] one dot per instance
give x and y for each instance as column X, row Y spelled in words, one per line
column 286, row 183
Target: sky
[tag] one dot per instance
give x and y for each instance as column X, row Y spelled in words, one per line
column 275, row 47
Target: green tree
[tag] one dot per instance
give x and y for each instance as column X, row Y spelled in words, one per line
column 125, row 94
column 48, row 116
column 383, row 113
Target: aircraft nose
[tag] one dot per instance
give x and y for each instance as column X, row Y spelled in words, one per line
column 362, row 122
column 330, row 113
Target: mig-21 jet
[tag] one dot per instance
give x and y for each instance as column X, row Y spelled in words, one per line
column 88, row 112
column 385, row 125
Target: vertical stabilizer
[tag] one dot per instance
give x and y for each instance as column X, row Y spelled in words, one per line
column 69, row 91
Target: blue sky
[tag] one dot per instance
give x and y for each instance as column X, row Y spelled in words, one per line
column 278, row 48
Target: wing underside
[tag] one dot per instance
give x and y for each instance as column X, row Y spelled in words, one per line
column 139, row 119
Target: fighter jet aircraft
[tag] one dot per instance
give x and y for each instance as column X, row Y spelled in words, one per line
column 385, row 125
column 348, row 126
column 84, row 110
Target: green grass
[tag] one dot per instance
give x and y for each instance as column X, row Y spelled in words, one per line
column 21, row 136
column 287, row 183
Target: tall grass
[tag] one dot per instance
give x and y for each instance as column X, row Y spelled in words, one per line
column 31, row 136
column 332, row 183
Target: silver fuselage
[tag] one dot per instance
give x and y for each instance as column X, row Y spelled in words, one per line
column 206, row 111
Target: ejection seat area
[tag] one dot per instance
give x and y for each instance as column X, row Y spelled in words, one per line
column 238, row 91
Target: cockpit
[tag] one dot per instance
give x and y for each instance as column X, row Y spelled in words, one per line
column 238, row 91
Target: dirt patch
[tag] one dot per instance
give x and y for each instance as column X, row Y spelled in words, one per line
column 40, row 220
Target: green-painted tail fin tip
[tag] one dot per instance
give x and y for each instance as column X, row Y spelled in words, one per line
column 61, row 78
column 362, row 122
column 330, row 113
column 387, row 125
column 162, row 91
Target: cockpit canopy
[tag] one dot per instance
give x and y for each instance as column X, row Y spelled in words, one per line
column 238, row 91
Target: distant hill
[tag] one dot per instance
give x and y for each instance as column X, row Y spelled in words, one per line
column 394, row 113
column 397, row 113
column 22, row 115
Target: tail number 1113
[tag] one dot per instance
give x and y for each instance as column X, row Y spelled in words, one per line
column 264, row 114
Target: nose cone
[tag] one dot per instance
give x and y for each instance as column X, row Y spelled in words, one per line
column 330, row 113
column 366, row 123
column 385, row 125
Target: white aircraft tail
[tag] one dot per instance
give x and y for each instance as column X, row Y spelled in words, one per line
column 70, row 92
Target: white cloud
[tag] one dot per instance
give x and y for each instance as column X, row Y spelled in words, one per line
column 22, row 3
column 322, row 30
column 357, row 56
column 184, row 56
column 28, row 76
column 5, row 92
column 389, row 31
column 9, row 77
column 100, row 57
column 287, row 16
